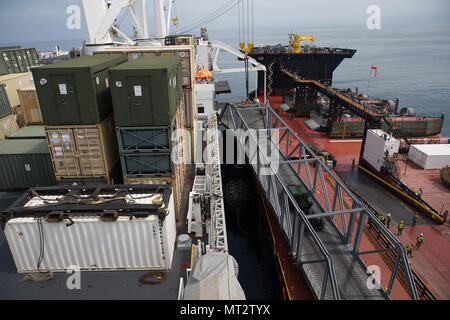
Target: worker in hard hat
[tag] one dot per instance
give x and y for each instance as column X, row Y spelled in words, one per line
column 400, row 228
column 380, row 217
column 388, row 220
column 409, row 250
column 419, row 240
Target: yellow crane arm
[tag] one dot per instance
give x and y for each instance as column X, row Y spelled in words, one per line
column 297, row 41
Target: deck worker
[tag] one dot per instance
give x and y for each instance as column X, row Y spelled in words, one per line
column 388, row 220
column 409, row 250
column 419, row 240
column 380, row 217
column 416, row 216
column 419, row 193
column 400, row 228
column 445, row 215
column 353, row 164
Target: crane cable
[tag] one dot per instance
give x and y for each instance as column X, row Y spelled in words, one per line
column 253, row 23
column 204, row 22
column 239, row 21
column 248, row 22
column 212, row 16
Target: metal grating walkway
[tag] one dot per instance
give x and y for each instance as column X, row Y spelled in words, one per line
column 330, row 258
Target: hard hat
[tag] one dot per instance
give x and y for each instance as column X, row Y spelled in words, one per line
column 401, row 221
column 421, row 234
column 389, row 214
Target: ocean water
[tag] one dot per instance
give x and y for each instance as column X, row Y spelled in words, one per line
column 413, row 61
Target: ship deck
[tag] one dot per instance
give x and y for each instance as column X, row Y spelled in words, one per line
column 432, row 260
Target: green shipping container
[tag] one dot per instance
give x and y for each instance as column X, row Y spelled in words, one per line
column 22, row 59
column 76, row 91
column 11, row 61
column 5, row 106
column 146, row 91
column 32, row 57
column 25, row 164
column 3, row 66
column 9, row 48
column 28, row 132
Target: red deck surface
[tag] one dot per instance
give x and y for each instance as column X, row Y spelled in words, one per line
column 432, row 260
column 434, row 192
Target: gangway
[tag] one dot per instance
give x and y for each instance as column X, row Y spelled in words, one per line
column 335, row 96
column 330, row 259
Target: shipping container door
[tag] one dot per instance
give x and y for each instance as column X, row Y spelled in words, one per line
column 63, row 151
column 32, row 58
column 90, row 152
column 139, row 99
column 66, row 100
column 11, row 61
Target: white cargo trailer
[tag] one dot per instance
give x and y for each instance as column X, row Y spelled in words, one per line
column 377, row 144
column 89, row 241
column 430, row 156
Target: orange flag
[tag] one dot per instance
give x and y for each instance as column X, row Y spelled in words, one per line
column 376, row 70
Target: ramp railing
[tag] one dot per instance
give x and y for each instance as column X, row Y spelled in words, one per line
column 332, row 200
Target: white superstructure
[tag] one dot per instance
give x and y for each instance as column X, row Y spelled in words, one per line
column 379, row 146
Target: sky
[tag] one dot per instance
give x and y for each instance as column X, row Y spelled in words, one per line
column 31, row 20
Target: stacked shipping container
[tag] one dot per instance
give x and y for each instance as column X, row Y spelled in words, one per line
column 29, row 106
column 16, row 59
column 24, row 160
column 8, row 122
column 76, row 108
column 188, row 69
column 148, row 109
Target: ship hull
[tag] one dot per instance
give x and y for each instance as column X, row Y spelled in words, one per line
column 311, row 66
column 414, row 127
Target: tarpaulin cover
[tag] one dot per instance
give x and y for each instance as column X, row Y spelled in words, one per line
column 214, row 277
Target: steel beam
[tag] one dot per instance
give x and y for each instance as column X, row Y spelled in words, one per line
column 331, row 214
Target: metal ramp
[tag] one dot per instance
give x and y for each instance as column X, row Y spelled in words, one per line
column 330, row 259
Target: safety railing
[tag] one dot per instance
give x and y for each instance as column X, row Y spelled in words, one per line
column 329, row 195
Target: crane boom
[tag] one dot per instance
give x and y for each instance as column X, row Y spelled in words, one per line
column 297, row 41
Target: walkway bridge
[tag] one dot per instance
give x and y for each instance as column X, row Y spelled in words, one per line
column 338, row 98
column 331, row 259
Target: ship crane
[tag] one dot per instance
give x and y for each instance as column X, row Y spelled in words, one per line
column 102, row 22
column 298, row 40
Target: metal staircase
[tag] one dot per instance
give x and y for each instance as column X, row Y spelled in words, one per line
column 269, row 77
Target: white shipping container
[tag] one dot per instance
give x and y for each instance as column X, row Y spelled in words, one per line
column 430, row 156
column 377, row 143
column 94, row 245
column 206, row 95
